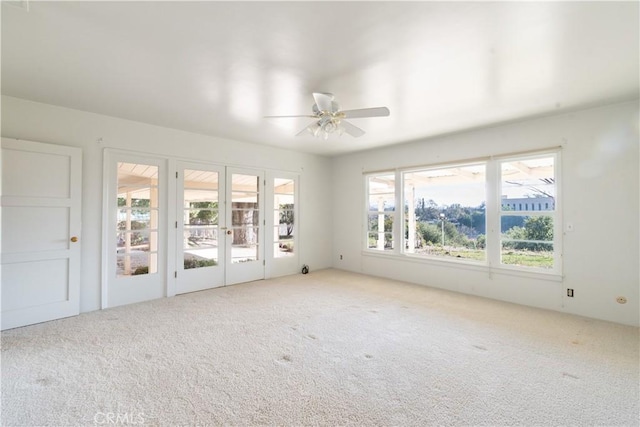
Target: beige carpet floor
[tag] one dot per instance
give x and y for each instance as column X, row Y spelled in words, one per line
column 327, row 348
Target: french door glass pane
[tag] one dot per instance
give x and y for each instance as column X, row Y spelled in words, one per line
column 137, row 219
column 247, row 183
column 284, row 220
column 245, row 218
column 245, row 245
column 200, row 218
column 136, row 263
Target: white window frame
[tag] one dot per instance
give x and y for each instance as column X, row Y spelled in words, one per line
column 404, row 217
column 395, row 214
column 493, row 217
column 555, row 214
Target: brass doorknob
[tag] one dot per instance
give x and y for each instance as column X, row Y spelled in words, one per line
column 74, row 239
column 228, row 231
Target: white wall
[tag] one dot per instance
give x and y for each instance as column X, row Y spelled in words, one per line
column 600, row 163
column 600, row 184
column 28, row 120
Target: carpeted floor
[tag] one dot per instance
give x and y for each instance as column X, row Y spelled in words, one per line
column 328, row 348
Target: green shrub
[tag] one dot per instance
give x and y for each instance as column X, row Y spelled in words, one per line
column 141, row 270
column 197, row 263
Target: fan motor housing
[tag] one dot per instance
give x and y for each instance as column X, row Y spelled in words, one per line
column 334, row 107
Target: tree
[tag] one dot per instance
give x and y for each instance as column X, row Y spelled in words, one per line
column 286, row 217
column 427, row 211
column 245, row 215
column 388, row 228
column 510, row 221
column 539, row 228
column 454, row 212
column 515, row 233
column 481, row 241
column 208, row 213
column 478, row 219
column 430, row 233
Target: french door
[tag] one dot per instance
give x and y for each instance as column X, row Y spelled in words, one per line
column 214, row 217
column 244, row 229
column 135, row 229
column 200, row 251
column 220, row 227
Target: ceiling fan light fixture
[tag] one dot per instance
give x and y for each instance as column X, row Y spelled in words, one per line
column 330, row 118
column 329, row 126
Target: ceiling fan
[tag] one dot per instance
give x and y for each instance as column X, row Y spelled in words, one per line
column 330, row 119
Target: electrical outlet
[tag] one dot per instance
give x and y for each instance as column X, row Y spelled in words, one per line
column 340, row 257
column 570, row 293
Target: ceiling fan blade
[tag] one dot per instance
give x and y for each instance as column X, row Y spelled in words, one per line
column 323, row 101
column 352, row 130
column 366, row 112
column 308, row 129
column 288, row 117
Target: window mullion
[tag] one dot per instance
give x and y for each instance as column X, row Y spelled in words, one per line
column 493, row 212
column 398, row 218
column 558, row 217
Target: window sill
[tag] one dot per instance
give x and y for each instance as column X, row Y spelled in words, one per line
column 467, row 265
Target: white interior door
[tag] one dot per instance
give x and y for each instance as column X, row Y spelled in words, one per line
column 41, row 217
column 135, row 229
column 245, row 223
column 200, row 242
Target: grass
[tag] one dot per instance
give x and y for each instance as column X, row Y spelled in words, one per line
column 451, row 252
column 543, row 259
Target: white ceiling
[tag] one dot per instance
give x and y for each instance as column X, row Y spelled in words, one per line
column 217, row 68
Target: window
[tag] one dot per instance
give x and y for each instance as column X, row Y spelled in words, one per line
column 445, row 212
column 527, row 237
column 447, row 209
column 381, row 203
column 284, row 219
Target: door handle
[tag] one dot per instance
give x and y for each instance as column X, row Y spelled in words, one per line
column 229, row 231
column 74, row 239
